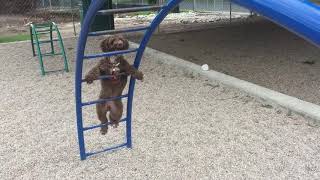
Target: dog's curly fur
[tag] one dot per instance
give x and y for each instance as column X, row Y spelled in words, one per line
column 112, row 87
column 114, row 43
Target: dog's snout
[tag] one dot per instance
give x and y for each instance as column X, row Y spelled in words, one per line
column 119, row 44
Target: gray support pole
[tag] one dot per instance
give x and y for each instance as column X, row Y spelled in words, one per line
column 194, row 5
column 222, row 5
column 207, row 9
column 230, row 11
column 159, row 2
column 72, row 14
column 50, row 4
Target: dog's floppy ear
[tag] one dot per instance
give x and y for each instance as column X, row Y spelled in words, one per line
column 105, row 44
column 125, row 44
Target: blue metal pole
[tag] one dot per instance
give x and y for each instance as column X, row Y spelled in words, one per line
column 94, row 7
column 129, row 113
column 155, row 23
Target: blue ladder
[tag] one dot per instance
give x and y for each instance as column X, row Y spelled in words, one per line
column 94, row 10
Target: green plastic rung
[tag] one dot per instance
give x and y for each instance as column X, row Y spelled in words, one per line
column 50, row 54
column 46, row 41
column 38, row 33
column 42, row 25
column 44, row 30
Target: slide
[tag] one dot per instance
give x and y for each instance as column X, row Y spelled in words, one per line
column 301, row 17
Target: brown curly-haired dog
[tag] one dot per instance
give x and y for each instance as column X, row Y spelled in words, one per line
column 119, row 69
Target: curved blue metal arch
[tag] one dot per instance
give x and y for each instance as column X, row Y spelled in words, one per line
column 94, row 7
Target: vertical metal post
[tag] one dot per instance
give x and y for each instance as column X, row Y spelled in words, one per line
column 50, row 4
column 51, row 40
column 72, row 16
column 222, row 5
column 230, row 11
column 214, row 5
column 207, row 9
column 159, row 2
column 74, row 25
column 32, row 43
column 34, row 32
column 194, row 5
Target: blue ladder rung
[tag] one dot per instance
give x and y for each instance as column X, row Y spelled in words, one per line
column 105, row 77
column 108, row 54
column 107, row 149
column 104, row 100
column 124, row 30
column 100, row 125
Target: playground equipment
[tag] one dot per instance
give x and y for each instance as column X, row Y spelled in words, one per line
column 301, row 17
column 37, row 30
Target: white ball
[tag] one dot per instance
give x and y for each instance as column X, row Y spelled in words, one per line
column 205, row 67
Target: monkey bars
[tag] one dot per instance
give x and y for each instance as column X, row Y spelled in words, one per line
column 94, row 10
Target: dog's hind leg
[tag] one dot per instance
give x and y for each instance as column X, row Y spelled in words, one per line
column 116, row 110
column 102, row 116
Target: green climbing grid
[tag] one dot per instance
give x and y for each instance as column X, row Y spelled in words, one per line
column 37, row 31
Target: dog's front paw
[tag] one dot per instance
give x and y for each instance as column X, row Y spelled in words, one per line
column 114, row 124
column 139, row 76
column 89, row 79
column 104, row 129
